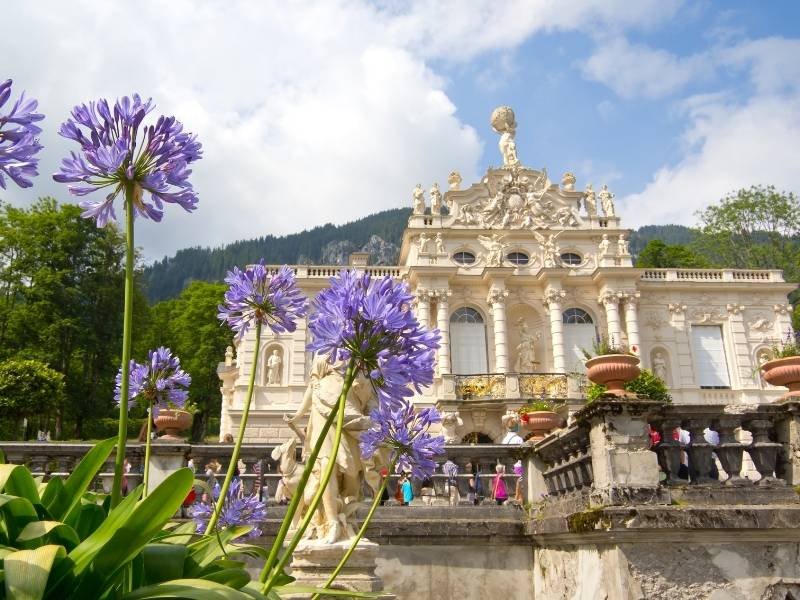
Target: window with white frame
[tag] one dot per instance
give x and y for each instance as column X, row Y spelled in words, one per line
column 579, row 334
column 468, row 342
column 710, row 365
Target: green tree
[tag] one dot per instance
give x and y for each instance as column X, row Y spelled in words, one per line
column 657, row 254
column 189, row 326
column 29, row 388
column 755, row 228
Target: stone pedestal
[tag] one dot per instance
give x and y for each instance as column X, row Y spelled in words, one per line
column 313, row 563
column 165, row 459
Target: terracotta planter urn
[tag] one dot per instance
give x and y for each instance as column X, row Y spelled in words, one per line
column 786, row 372
column 540, row 423
column 613, row 371
column 171, row 422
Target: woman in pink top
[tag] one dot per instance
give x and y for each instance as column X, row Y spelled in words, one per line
column 499, row 493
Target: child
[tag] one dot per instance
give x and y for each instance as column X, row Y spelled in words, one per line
column 499, row 493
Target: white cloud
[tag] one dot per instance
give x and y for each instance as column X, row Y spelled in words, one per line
column 308, row 112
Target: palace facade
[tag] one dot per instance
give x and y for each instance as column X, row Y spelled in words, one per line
column 520, row 274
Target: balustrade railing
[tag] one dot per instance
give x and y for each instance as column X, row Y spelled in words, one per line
column 712, row 275
column 512, row 385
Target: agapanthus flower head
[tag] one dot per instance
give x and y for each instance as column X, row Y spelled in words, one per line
column 158, row 383
column 404, row 432
column 237, row 510
column 117, row 150
column 256, row 295
column 19, row 143
column 370, row 320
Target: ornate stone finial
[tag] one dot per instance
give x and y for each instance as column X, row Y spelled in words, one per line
column 504, row 123
column 607, row 201
column 454, row 181
column 436, row 199
column 419, row 200
column 568, row 182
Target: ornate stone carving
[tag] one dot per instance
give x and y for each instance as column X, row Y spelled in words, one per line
column 760, row 323
column 497, row 296
column 454, row 181
column 551, row 253
column 590, row 201
column 418, row 200
column 439, row 245
column 494, row 246
column 526, row 351
column 450, row 422
column 436, row 199
column 676, row 308
column 543, row 385
column 604, row 246
column 481, row 386
column 707, row 314
column 659, row 363
column 274, row 367
column 610, row 297
column 782, row 309
column 568, row 182
column 735, row 309
column 622, row 245
column 504, row 123
column 607, row 201
column 553, row 296
column 631, row 298
column 422, row 243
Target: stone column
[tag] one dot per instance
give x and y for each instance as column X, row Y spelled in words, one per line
column 632, row 321
column 443, row 323
column 423, row 306
column 497, row 300
column 610, row 300
column 552, row 300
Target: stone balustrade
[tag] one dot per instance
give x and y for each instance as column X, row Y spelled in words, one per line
column 712, row 275
column 327, row 271
column 516, row 386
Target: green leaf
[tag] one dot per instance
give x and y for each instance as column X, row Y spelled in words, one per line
column 80, row 479
column 86, row 519
column 27, row 571
column 16, row 480
column 189, row 589
column 163, row 562
column 182, row 534
column 304, row 589
column 17, row 513
column 110, row 548
column 37, row 533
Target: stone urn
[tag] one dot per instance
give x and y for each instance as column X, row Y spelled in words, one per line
column 786, row 372
column 613, row 371
column 171, row 422
column 540, row 423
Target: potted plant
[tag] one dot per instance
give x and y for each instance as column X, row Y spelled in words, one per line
column 783, row 367
column 612, row 366
column 646, row 385
column 539, row 418
column 172, row 421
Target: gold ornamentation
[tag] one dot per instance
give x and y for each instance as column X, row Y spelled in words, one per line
column 481, row 386
column 549, row 386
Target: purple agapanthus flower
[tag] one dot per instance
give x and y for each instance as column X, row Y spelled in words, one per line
column 371, row 321
column 255, row 295
column 117, row 150
column 19, row 143
column 405, row 433
column 237, row 510
column 158, row 383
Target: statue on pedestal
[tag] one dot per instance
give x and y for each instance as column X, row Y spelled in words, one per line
column 419, row 200
column 450, row 422
column 422, row 243
column 504, row 123
column 436, row 199
column 454, row 181
column 274, row 363
column 660, row 366
column 622, row 245
column 568, row 182
column 607, row 201
column 439, row 243
column 494, row 249
column 590, row 201
column 603, row 246
column 526, row 352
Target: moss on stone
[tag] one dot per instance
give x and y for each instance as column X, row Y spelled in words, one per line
column 587, row 520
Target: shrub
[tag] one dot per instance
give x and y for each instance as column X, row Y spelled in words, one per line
column 646, row 385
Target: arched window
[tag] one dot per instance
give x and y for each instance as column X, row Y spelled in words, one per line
column 463, row 258
column 579, row 335
column 571, row 259
column 476, row 437
column 518, row 258
column 468, row 342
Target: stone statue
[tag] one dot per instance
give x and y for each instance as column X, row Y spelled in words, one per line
column 454, row 181
column 590, row 201
column 526, row 352
column 660, row 366
column 510, row 422
column 436, row 199
column 419, row 200
column 568, row 182
column 494, row 249
column 551, row 253
column 423, row 243
column 274, row 363
column 466, row 214
column 607, row 201
column 603, row 246
column 439, row 242
column 504, row 123
column 332, row 522
column 622, row 245
column 450, row 422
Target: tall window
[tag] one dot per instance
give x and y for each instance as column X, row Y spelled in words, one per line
column 468, row 342
column 709, row 357
column 579, row 335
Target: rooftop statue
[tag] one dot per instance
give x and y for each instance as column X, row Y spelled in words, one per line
column 419, row 200
column 504, row 123
column 494, row 249
column 436, row 199
column 607, row 201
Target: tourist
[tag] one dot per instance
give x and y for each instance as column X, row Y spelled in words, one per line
column 682, row 436
column 398, row 490
column 385, row 492
column 499, row 493
column 212, row 468
column 450, row 469
column 518, row 471
column 426, row 492
column 408, row 491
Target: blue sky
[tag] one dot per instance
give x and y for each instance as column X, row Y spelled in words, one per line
column 327, row 111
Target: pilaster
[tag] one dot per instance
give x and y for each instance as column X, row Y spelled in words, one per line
column 443, row 323
column 552, row 300
column 497, row 300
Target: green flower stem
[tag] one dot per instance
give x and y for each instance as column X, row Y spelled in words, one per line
column 375, row 502
column 223, row 492
column 269, row 573
column 146, row 475
column 127, row 322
